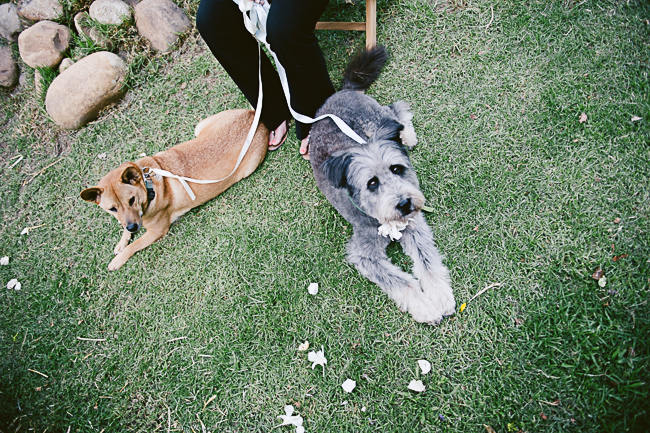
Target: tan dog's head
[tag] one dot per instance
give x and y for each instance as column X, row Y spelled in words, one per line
column 123, row 194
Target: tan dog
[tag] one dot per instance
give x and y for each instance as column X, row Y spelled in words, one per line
column 211, row 155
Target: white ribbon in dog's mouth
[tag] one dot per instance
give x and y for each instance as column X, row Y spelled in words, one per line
column 393, row 229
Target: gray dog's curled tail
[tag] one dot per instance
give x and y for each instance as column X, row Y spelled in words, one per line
column 364, row 68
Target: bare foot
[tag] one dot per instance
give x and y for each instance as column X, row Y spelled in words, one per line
column 277, row 137
column 304, row 148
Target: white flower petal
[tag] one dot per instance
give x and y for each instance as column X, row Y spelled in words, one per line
column 13, row 283
column 635, row 118
column 363, row 409
column 424, row 365
column 348, row 385
column 417, row 386
column 4, row 261
column 300, row 429
column 313, row 288
column 25, row 231
column 393, row 229
column 303, row 346
column 317, row 358
column 602, row 282
column 102, row 156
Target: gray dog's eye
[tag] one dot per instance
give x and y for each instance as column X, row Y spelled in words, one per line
column 397, row 169
column 131, row 201
column 113, row 209
column 373, row 184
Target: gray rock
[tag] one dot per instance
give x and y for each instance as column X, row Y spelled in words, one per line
column 8, row 68
column 81, row 91
column 22, row 79
column 43, row 44
column 110, row 11
column 95, row 35
column 37, row 10
column 160, row 22
column 65, row 64
column 10, row 24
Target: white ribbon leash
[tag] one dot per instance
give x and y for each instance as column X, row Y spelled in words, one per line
column 255, row 16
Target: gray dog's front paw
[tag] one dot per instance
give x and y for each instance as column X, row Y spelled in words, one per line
column 438, row 290
column 423, row 307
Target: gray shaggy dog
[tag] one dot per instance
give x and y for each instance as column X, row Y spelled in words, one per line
column 374, row 186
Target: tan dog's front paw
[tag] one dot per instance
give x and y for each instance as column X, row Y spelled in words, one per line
column 120, row 247
column 117, row 262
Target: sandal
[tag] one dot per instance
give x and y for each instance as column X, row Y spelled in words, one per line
column 273, row 147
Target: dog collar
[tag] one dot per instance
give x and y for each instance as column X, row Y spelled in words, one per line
column 148, row 183
column 356, row 205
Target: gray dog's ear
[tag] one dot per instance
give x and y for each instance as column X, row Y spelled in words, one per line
column 389, row 129
column 336, row 168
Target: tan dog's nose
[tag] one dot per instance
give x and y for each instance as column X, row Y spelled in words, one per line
column 132, row 227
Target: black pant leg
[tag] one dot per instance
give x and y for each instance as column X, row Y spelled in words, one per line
column 290, row 33
column 221, row 25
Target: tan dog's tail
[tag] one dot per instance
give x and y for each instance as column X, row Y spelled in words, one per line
column 202, row 124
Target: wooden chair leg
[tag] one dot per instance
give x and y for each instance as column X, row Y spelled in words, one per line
column 371, row 23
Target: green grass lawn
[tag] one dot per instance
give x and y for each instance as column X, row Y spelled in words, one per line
column 199, row 332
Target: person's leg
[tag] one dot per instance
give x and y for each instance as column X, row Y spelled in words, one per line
column 221, row 25
column 290, row 33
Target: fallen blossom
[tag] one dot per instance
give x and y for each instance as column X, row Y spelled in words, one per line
column 598, row 274
column 602, row 281
column 289, row 419
column 317, row 358
column 4, row 261
column 393, row 229
column 363, row 409
column 635, row 118
column 463, row 306
column 583, row 118
column 417, row 386
column 348, row 385
column 14, row 284
column 313, row 288
column 617, row 258
column 25, row 231
column 102, row 156
column 424, row 365
column 142, row 155
column 303, row 346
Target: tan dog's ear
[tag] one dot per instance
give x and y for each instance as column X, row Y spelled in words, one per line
column 131, row 175
column 92, row 194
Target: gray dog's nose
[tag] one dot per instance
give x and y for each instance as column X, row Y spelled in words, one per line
column 132, row 227
column 404, row 206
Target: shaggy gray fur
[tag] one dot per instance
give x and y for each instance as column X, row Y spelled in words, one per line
column 373, row 184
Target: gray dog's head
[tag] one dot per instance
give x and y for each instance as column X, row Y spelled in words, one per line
column 378, row 176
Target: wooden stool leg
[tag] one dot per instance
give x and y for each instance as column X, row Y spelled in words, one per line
column 371, row 23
